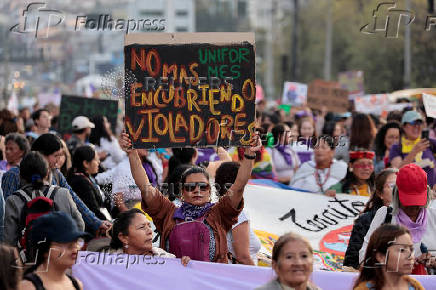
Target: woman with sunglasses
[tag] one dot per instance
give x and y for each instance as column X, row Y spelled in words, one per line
column 389, row 260
column 198, row 228
column 384, row 183
column 413, row 148
column 411, row 209
column 360, row 176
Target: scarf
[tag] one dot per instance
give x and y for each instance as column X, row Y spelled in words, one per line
column 191, row 211
column 407, row 146
column 150, row 173
column 285, row 154
column 418, row 228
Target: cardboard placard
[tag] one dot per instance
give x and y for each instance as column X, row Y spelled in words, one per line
column 294, row 94
column 73, row 106
column 429, row 104
column 190, row 89
column 353, row 82
column 372, row 104
column 322, row 93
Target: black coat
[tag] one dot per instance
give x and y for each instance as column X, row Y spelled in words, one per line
column 88, row 193
column 360, row 228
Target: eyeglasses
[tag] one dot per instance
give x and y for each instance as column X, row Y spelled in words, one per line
column 405, row 249
column 390, row 185
column 191, row 186
column 415, row 123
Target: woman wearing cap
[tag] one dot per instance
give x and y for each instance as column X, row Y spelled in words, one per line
column 360, row 178
column 412, row 148
column 388, row 261
column 198, row 228
column 384, row 183
column 54, row 241
column 411, row 209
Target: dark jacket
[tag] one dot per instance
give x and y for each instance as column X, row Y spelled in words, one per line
column 87, row 192
column 360, row 228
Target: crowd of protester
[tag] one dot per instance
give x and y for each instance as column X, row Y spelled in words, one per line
column 101, row 189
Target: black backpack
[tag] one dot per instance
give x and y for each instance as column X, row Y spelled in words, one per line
column 35, row 205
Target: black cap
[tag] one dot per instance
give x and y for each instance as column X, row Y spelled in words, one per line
column 56, row 227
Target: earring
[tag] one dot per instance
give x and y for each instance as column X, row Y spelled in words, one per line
column 126, row 246
column 351, row 169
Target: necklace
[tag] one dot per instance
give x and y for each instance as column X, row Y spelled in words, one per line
column 318, row 178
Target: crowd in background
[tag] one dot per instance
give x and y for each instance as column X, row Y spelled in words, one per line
column 102, row 188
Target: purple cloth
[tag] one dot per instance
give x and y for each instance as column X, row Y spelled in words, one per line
column 417, row 229
column 304, row 156
column 285, row 153
column 396, row 151
column 206, row 154
column 3, row 165
column 150, row 173
column 188, row 210
column 121, row 271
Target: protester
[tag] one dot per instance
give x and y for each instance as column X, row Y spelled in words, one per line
column 55, row 241
column 8, row 123
column 323, row 172
column 65, row 159
column 11, row 270
column 132, row 234
column 389, row 260
column 411, row 209
column 292, row 261
column 412, row 148
column 42, row 121
column 306, row 131
column 387, row 136
column 34, row 170
column 107, row 146
column 2, row 214
column 242, row 242
column 16, row 146
column 49, row 146
column 384, row 183
column 360, row 176
column 285, row 161
column 172, row 187
column 218, row 218
column 81, row 128
column 85, row 164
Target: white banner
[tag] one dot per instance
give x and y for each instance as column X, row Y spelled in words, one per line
column 294, row 94
column 372, row 104
column 430, row 105
column 325, row 221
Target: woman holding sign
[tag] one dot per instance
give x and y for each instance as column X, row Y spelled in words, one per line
column 198, row 228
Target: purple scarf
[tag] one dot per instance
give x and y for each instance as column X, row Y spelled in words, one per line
column 150, row 173
column 285, row 154
column 191, row 211
column 417, row 229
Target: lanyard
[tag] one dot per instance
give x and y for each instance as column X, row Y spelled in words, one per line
column 318, row 178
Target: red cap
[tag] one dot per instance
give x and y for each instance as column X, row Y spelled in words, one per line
column 412, row 185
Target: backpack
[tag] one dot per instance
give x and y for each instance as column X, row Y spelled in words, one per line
column 190, row 238
column 35, row 205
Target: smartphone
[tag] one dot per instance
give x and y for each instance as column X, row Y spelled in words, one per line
column 424, row 134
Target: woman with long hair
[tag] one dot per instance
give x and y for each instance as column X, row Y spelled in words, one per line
column 384, row 184
column 306, row 131
column 11, row 270
column 363, row 132
column 360, row 178
column 389, row 259
column 80, row 178
column 387, row 136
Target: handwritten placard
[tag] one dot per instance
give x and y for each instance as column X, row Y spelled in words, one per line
column 329, row 94
column 191, row 89
column 429, row 104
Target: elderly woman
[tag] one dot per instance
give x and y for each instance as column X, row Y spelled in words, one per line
column 325, row 171
column 384, row 183
column 360, row 175
column 292, row 260
column 410, row 209
column 16, row 146
column 389, row 260
column 198, row 228
column 412, row 148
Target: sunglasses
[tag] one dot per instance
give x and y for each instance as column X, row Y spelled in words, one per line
column 191, row 186
column 415, row 123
